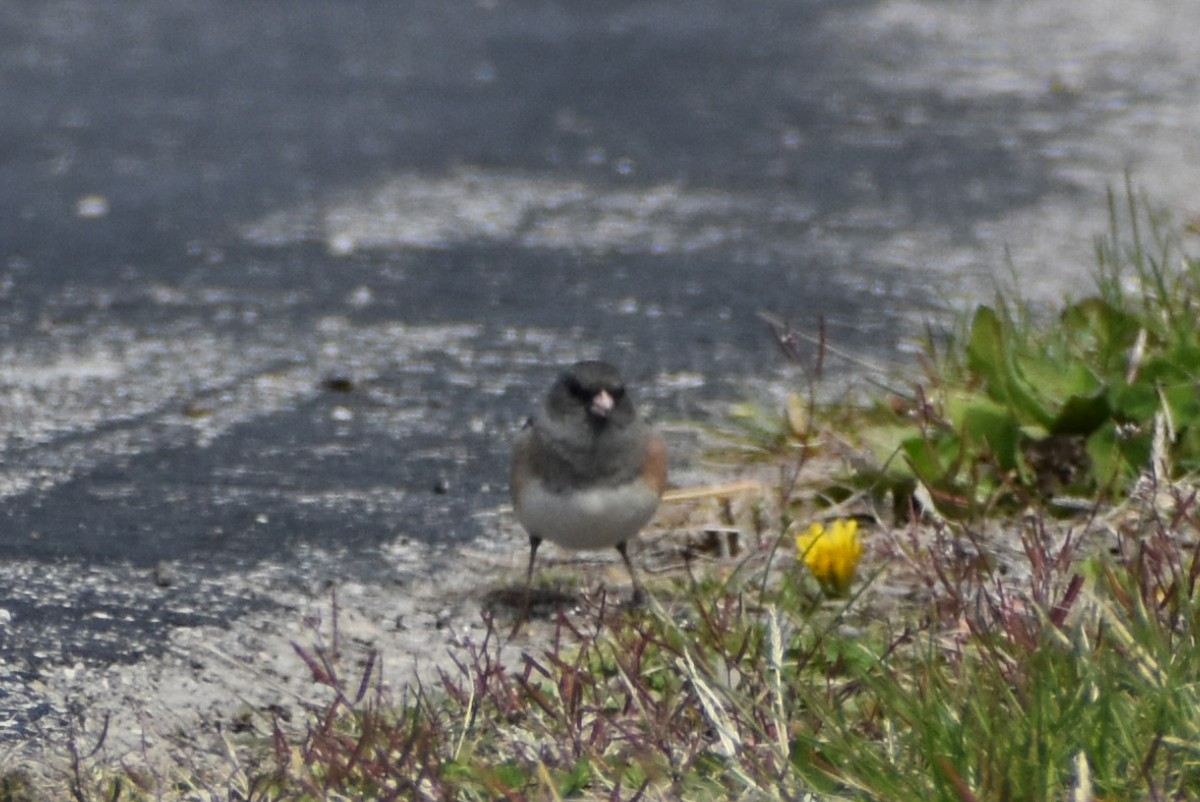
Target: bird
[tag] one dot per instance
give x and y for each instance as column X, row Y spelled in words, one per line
column 587, row 471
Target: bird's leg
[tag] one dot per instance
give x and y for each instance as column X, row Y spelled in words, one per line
column 639, row 593
column 534, row 542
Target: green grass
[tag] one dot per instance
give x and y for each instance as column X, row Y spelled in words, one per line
column 996, row 691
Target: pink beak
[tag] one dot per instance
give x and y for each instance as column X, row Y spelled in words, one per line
column 602, row 404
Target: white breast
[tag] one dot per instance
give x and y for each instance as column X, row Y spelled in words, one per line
column 587, row 519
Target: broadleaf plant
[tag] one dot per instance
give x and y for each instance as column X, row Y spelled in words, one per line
column 1020, row 412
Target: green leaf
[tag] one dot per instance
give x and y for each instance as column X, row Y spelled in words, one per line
column 885, row 442
column 1165, row 367
column 1136, row 403
column 1108, row 464
column 988, row 426
column 1188, row 358
column 989, row 356
column 1054, row 380
column 1103, row 332
column 1082, row 414
column 931, row 458
column 1183, row 401
column 986, row 354
column 512, row 774
column 578, row 779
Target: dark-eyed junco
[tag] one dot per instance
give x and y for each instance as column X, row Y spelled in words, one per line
column 587, row 471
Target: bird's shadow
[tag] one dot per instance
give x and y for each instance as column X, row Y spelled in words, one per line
column 543, row 602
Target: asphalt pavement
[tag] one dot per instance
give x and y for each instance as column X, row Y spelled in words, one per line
column 278, row 280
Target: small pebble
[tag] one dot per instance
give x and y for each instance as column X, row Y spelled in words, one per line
column 91, row 207
column 338, row 383
column 165, row 574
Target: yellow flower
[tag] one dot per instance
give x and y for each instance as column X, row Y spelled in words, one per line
column 832, row 555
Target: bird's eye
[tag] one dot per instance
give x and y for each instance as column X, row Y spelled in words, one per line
column 578, row 390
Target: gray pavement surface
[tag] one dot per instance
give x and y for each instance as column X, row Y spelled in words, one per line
column 279, row 279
